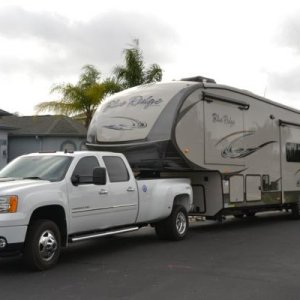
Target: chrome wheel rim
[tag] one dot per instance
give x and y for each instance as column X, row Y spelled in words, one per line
column 47, row 245
column 181, row 223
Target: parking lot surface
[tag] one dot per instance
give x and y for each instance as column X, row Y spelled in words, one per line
column 254, row 258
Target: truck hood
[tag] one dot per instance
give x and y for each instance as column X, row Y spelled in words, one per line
column 14, row 185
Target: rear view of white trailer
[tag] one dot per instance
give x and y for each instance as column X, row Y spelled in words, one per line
column 241, row 151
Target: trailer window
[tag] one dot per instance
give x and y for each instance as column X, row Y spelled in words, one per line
column 292, row 152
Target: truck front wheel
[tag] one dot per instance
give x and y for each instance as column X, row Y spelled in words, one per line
column 175, row 227
column 42, row 245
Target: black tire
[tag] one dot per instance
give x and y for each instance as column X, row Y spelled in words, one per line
column 40, row 234
column 175, row 227
column 296, row 211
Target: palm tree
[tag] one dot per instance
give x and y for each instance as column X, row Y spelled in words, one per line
column 81, row 98
column 134, row 73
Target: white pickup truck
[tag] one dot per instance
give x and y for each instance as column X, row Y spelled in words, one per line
column 48, row 200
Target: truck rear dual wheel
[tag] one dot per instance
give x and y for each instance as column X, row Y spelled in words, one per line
column 175, row 227
column 296, row 211
column 42, row 245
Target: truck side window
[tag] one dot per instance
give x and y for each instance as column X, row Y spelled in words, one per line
column 84, row 169
column 116, row 169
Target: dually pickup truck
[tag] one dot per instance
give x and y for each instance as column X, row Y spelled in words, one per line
column 48, row 200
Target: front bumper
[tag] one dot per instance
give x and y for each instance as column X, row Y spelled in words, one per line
column 14, row 237
column 12, row 249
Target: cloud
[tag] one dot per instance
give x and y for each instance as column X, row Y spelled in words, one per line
column 284, row 70
column 68, row 45
column 289, row 33
column 289, row 81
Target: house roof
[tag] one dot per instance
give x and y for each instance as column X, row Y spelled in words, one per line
column 47, row 125
column 4, row 113
column 5, row 127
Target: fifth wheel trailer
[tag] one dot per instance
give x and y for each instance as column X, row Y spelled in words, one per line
column 241, row 151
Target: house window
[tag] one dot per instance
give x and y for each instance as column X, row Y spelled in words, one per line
column 68, row 146
column 292, row 152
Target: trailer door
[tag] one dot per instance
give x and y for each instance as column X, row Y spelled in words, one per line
column 290, row 161
column 224, row 130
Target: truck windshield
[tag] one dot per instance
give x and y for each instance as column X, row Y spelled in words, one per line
column 43, row 167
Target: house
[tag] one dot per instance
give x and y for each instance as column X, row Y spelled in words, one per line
column 40, row 133
column 4, row 130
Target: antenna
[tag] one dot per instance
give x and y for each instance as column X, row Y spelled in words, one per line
column 265, row 91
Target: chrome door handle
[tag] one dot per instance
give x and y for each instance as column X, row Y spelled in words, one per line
column 130, row 189
column 103, row 192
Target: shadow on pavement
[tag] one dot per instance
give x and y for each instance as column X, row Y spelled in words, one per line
column 111, row 247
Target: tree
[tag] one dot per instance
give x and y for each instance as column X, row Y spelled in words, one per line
column 81, row 98
column 134, row 73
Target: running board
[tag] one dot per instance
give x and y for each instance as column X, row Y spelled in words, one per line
column 102, row 234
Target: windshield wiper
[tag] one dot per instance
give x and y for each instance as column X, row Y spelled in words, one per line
column 8, row 178
column 33, row 177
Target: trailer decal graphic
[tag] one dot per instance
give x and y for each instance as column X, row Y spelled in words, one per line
column 233, row 151
column 126, row 124
column 145, row 102
column 135, row 101
column 225, row 119
column 297, row 174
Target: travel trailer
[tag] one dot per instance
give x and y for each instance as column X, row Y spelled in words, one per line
column 241, row 151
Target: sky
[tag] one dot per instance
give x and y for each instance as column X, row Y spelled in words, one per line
column 252, row 45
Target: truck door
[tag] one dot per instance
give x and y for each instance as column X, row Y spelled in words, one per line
column 122, row 190
column 89, row 209
column 102, row 206
column 290, row 161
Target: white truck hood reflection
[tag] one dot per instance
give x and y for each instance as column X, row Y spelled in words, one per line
column 14, row 185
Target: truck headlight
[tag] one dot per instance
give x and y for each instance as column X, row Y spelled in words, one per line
column 8, row 204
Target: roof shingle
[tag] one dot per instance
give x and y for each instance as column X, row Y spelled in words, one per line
column 43, row 125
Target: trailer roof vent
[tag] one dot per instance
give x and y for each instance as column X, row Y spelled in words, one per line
column 199, row 79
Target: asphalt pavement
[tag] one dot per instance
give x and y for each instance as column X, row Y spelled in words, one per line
column 253, row 258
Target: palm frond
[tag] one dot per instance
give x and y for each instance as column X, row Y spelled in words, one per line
column 153, row 74
column 133, row 72
column 55, row 106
